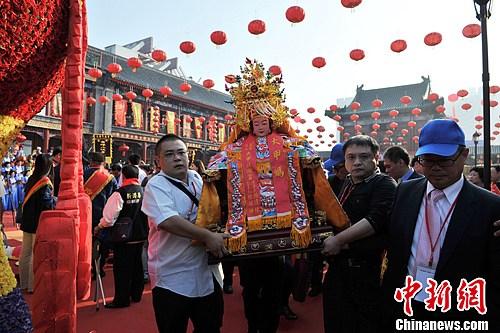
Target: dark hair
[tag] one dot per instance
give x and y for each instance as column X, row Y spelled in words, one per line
column 479, row 171
column 134, row 159
column 199, row 164
column 116, row 167
column 414, row 161
column 130, row 171
column 165, row 138
column 96, row 157
column 396, row 153
column 57, row 150
column 497, row 167
column 42, row 168
column 362, row 140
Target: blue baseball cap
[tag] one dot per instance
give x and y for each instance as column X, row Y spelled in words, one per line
column 440, row 137
column 336, row 156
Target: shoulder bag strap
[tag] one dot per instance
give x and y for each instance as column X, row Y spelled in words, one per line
column 185, row 190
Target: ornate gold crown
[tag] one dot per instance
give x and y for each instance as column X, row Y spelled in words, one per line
column 257, row 93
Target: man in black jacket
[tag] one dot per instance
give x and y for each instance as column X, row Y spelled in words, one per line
column 397, row 164
column 127, row 265
column 351, row 289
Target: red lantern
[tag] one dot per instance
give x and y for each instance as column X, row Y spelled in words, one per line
column 228, row 117
column 478, row 118
column 393, row 113
column 311, row 110
column 95, row 73
column 355, row 106
column 295, row 14
column 389, row 132
column 358, row 127
column 415, row 139
column 412, row 124
column 117, row 97
column 494, row 89
column 471, row 30
column 20, row 138
column 256, row 27
column 320, row 129
column 347, row 135
column 405, row 100
column 376, row 127
column 309, row 130
column 123, row 149
column 302, row 121
column 147, row 93
column 466, row 106
column 354, row 117
column 319, row 62
column 177, row 121
column 333, row 107
column 340, row 128
column 462, row 93
column 497, row 125
column 416, row 112
column 493, row 103
column 337, row 117
column 317, row 120
column 187, row 47
column 398, row 45
column 433, row 97
column 374, row 134
column 114, row 68
column 350, row 3
column 400, row 139
column 440, row 109
column 333, row 135
column 404, row 131
column 357, row 54
column 393, row 125
column 376, row 103
column 91, row 101
column 218, row 37
column 433, row 39
column 103, row 99
column 134, row 63
column 130, row 95
column 478, row 126
column 294, row 112
column 496, row 132
column 166, row 91
column 159, row 55
column 213, row 118
column 185, row 87
column 230, row 78
column 275, row 70
column 208, row 84
column 375, row 115
column 452, row 98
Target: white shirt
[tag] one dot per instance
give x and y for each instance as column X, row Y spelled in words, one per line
column 142, row 174
column 111, row 210
column 451, row 193
column 174, row 263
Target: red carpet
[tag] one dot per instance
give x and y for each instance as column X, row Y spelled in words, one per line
column 140, row 317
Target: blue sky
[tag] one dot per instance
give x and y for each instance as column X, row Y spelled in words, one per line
column 329, row 30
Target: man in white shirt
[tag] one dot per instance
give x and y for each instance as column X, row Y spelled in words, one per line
column 135, row 160
column 182, row 281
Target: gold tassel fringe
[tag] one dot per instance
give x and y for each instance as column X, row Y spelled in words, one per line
column 235, row 243
column 301, row 238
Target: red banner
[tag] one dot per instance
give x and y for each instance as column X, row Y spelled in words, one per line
column 120, row 113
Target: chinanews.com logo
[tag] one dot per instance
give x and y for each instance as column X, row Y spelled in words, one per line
column 471, row 296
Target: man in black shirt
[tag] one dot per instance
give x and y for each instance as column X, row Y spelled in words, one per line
column 351, row 290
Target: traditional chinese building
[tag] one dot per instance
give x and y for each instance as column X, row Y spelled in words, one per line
column 391, row 115
column 120, row 125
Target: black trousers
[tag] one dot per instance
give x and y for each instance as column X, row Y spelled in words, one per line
column 261, row 280
column 128, row 273
column 173, row 311
column 228, row 268
column 352, row 296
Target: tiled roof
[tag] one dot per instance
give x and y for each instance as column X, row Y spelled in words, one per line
column 154, row 79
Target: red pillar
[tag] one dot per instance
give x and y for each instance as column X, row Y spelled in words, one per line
column 46, row 138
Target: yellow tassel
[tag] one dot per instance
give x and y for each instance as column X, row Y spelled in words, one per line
column 383, row 267
column 301, row 238
column 284, row 221
column 235, row 243
column 255, row 225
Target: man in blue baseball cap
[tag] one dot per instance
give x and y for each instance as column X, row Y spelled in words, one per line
column 336, row 164
column 441, row 228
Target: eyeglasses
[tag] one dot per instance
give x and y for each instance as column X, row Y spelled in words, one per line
column 170, row 155
column 443, row 163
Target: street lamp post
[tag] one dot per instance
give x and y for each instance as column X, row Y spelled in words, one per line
column 482, row 15
column 475, row 138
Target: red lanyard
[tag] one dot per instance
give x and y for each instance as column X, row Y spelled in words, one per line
column 346, row 193
column 434, row 244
